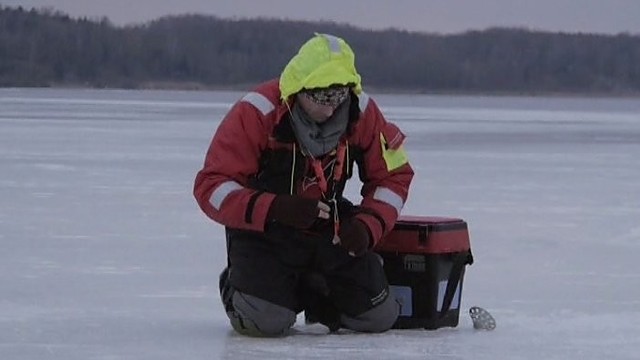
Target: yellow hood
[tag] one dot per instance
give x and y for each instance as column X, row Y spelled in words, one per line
column 322, row 61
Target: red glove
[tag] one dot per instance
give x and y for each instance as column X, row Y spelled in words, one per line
column 354, row 237
column 297, row 211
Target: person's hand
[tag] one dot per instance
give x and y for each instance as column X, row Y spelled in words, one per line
column 353, row 236
column 297, row 211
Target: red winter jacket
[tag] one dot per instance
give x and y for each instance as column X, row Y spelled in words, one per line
column 254, row 155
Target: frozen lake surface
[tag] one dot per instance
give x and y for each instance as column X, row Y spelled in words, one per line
column 105, row 254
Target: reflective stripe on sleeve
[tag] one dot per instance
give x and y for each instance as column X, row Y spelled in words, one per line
column 221, row 193
column 260, row 102
column 363, row 101
column 387, row 196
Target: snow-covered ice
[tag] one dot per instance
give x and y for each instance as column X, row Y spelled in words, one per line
column 104, row 254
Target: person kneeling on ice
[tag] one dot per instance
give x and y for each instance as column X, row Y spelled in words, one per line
column 274, row 176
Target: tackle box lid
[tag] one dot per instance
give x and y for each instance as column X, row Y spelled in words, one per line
column 426, row 235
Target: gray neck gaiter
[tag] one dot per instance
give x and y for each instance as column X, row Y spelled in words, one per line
column 316, row 138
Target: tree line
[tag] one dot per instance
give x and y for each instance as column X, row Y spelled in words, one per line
column 47, row 48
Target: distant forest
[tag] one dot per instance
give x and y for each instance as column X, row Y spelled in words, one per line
column 48, row 48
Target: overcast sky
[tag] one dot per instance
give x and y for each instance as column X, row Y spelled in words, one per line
column 444, row 16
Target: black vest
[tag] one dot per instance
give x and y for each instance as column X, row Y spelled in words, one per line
column 284, row 157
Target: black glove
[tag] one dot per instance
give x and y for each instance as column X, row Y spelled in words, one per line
column 297, row 211
column 354, row 236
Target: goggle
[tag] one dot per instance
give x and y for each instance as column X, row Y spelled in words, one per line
column 332, row 96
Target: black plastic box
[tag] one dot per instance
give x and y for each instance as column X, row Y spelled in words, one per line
column 425, row 260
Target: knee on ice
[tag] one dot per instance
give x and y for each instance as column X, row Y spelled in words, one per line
column 378, row 319
column 253, row 316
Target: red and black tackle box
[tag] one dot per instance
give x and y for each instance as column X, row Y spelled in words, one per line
column 424, row 260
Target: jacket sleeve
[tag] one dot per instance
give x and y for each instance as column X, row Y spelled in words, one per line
column 220, row 186
column 384, row 170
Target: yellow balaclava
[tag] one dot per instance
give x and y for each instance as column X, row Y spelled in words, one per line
column 322, row 61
